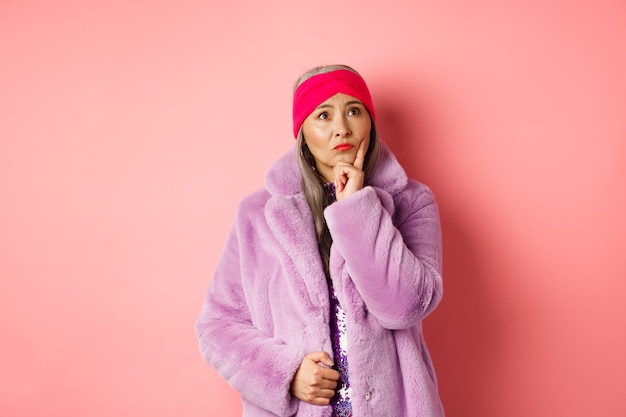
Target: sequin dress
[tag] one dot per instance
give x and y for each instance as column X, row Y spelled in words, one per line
column 341, row 402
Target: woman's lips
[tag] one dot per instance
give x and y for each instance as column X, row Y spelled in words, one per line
column 343, row 147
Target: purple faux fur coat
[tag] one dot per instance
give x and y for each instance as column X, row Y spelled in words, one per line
column 267, row 305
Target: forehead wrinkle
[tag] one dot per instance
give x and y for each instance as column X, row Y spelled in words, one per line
column 347, row 103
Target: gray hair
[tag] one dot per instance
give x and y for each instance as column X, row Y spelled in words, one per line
column 313, row 182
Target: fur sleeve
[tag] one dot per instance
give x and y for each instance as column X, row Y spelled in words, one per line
column 394, row 259
column 259, row 367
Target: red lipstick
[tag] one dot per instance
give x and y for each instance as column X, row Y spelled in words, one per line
column 342, row 147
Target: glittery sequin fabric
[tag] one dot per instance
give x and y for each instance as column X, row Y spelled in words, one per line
column 341, row 402
column 342, row 405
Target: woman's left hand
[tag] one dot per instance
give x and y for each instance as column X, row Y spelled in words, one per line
column 349, row 178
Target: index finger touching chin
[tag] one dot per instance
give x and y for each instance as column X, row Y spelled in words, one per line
column 360, row 155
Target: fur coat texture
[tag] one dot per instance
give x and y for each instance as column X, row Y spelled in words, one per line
column 267, row 304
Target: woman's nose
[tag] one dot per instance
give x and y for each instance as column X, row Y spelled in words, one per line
column 341, row 127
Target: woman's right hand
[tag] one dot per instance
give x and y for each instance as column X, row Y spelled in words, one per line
column 315, row 381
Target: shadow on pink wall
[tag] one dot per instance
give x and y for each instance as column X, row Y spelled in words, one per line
column 462, row 334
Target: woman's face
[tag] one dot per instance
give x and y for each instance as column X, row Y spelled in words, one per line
column 334, row 131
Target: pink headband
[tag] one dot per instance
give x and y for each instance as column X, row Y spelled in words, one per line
column 321, row 87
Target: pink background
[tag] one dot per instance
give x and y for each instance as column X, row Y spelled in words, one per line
column 130, row 130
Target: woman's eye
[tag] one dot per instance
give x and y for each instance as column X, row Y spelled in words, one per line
column 353, row 111
column 323, row 116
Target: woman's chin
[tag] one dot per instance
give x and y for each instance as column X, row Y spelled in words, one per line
column 346, row 158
